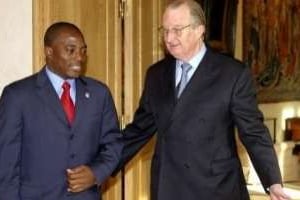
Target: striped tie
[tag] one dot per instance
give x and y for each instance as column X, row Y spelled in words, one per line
column 186, row 67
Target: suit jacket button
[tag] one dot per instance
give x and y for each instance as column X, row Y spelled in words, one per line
column 71, row 136
column 187, row 166
column 72, row 155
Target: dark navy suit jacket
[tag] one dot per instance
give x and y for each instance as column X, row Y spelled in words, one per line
column 37, row 145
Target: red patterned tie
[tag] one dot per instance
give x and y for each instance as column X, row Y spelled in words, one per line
column 67, row 102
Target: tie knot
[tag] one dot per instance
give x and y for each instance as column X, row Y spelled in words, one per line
column 186, row 67
column 66, row 85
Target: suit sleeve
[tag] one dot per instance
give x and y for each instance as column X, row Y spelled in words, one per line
column 137, row 133
column 252, row 132
column 110, row 142
column 10, row 145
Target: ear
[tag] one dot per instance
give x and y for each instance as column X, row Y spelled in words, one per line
column 201, row 31
column 48, row 51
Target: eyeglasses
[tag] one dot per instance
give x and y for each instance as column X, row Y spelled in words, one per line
column 176, row 31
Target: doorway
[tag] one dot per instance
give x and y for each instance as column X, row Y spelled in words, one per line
column 123, row 40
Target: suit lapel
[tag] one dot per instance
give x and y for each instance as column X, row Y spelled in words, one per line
column 82, row 97
column 48, row 95
column 168, row 86
column 199, row 82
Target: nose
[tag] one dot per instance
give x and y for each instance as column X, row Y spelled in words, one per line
column 169, row 36
column 80, row 56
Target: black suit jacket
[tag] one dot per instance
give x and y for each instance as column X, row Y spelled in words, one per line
column 195, row 156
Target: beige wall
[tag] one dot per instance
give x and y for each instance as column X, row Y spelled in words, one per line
column 281, row 111
column 15, row 40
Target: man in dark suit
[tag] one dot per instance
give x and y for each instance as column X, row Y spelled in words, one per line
column 57, row 143
column 194, row 98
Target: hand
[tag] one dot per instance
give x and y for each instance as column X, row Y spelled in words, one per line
column 80, row 178
column 277, row 193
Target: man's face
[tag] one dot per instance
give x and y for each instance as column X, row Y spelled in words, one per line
column 182, row 38
column 66, row 55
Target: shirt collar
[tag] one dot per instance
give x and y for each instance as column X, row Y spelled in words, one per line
column 195, row 61
column 57, row 81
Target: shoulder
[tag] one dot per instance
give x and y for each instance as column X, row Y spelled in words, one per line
column 18, row 92
column 223, row 58
column 165, row 64
column 226, row 63
column 94, row 85
column 22, row 85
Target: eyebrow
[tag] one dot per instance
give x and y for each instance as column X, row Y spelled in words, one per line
column 73, row 45
column 176, row 26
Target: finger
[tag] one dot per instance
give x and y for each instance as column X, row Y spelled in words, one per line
column 79, row 178
column 75, row 188
column 75, row 181
column 79, row 187
column 79, row 181
column 74, row 170
column 78, row 169
column 76, row 176
column 70, row 171
column 279, row 196
column 285, row 197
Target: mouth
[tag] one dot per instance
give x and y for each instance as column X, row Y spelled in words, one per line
column 173, row 45
column 76, row 68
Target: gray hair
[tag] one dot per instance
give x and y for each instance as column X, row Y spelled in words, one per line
column 195, row 8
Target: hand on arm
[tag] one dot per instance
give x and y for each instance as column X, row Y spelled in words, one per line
column 80, row 178
column 277, row 193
